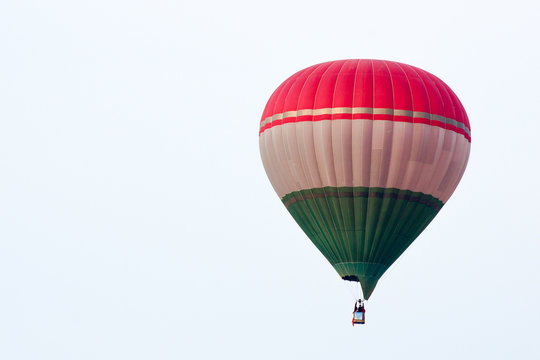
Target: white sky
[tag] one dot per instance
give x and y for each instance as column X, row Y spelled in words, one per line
column 136, row 220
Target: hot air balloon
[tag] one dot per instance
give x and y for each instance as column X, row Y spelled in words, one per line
column 364, row 154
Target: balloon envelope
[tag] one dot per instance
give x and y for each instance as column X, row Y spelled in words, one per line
column 364, row 154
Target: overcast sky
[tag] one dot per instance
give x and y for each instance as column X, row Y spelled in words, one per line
column 137, row 222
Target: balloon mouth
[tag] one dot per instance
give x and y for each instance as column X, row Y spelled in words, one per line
column 367, row 274
column 367, row 283
column 351, row 278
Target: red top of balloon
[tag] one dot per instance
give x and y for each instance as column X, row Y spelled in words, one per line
column 366, row 89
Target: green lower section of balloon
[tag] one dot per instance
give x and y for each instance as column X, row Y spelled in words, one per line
column 360, row 230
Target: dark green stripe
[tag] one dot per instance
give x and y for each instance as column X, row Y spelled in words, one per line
column 361, row 231
column 349, row 192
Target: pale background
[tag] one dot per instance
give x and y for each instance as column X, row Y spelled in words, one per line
column 136, row 220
